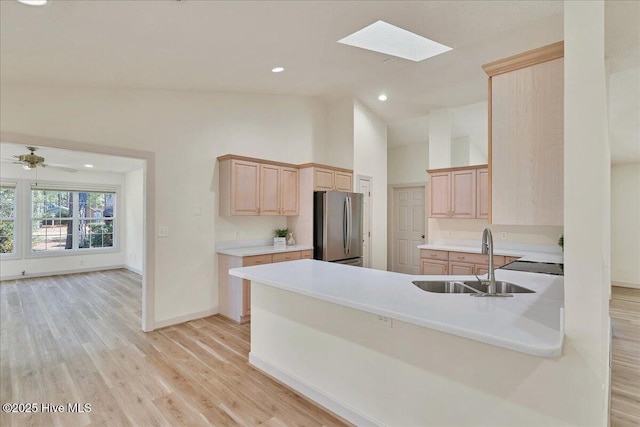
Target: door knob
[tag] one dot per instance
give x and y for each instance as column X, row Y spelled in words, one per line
column 422, row 236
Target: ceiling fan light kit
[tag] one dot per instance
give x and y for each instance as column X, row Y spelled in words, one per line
column 32, row 161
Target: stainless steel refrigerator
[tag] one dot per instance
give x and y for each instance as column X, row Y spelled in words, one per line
column 337, row 227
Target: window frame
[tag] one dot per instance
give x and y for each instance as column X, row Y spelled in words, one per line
column 75, row 189
column 16, row 222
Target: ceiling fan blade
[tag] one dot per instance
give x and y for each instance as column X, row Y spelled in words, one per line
column 59, row 167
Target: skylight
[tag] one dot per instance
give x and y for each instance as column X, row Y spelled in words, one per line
column 385, row 38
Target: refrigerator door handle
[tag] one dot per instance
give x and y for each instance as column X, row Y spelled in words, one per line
column 345, row 225
column 349, row 225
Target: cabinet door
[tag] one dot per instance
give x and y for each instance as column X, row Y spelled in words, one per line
column 482, row 194
column 269, row 190
column 461, row 268
column 463, row 194
column 527, row 145
column 433, row 267
column 289, row 191
column 323, row 179
column 246, row 297
column 245, row 192
column 343, row 181
column 439, row 194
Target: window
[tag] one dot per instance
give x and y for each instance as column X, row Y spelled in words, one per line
column 71, row 220
column 7, row 219
column 96, row 231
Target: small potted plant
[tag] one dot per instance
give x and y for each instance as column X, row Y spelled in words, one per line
column 280, row 239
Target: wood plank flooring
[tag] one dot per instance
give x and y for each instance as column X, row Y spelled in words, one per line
column 624, row 310
column 77, row 339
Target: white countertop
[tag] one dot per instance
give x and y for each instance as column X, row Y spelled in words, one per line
column 262, row 250
column 524, row 253
column 529, row 323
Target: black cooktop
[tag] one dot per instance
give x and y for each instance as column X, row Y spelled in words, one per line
column 536, row 267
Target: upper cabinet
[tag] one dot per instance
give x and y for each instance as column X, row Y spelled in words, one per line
column 255, row 187
column 239, row 187
column 328, row 178
column 454, row 192
column 526, row 137
column 251, row 186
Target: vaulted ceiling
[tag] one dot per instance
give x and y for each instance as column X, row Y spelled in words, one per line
column 233, row 45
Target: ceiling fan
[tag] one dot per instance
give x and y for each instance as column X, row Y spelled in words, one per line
column 31, row 161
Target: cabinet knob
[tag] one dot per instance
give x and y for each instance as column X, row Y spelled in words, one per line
column 434, row 255
column 460, row 257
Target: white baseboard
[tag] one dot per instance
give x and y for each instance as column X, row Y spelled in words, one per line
column 312, row 393
column 61, row 272
column 186, row 318
column 626, row 285
column 133, row 269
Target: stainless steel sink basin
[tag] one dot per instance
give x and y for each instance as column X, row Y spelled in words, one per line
column 468, row 287
column 444, row 287
column 501, row 287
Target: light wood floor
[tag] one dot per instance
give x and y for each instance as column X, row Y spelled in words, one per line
column 77, row 339
column 625, row 374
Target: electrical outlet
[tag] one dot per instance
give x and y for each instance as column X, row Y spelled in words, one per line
column 384, row 321
column 197, row 211
column 163, row 231
column 503, row 235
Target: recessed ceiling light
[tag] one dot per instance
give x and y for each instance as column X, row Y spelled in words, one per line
column 385, row 38
column 88, row 166
column 277, row 69
column 33, row 2
column 382, row 97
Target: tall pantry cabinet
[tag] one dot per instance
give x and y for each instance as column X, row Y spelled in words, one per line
column 526, row 137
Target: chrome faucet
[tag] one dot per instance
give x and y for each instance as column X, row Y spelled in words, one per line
column 487, row 248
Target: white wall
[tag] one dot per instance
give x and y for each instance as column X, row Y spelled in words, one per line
column 440, row 138
column 338, row 150
column 408, row 163
column 442, row 230
column 134, row 220
column 370, row 159
column 460, row 149
column 625, row 224
column 35, row 265
column 587, row 202
column 187, row 131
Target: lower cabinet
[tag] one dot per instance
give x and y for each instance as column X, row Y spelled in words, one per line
column 234, row 294
column 434, row 267
column 434, row 262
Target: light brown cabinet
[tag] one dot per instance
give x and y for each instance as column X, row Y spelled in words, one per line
column 234, row 294
column 454, row 192
column 330, row 179
column 252, row 187
column 279, row 190
column 482, row 195
column 434, row 267
column 434, row 262
column 526, row 137
column 239, row 187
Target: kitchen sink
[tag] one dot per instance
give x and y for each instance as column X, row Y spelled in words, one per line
column 468, row 287
column 444, row 287
column 501, row 287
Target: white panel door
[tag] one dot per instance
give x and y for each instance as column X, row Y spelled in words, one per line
column 408, row 229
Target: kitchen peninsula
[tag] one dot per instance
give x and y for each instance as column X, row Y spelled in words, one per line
column 377, row 350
